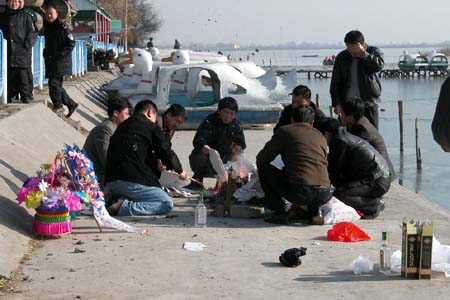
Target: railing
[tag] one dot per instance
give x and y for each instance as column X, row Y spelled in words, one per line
column 3, row 70
column 79, row 62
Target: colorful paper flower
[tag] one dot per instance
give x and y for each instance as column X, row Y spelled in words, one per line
column 34, row 199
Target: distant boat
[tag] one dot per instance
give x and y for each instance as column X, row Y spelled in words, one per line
column 310, row 55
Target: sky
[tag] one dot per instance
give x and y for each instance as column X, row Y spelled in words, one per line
column 269, row 22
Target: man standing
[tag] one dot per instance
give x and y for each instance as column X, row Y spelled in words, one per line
column 354, row 75
column 301, row 96
column 220, row 131
column 137, row 153
column 304, row 178
column 20, row 33
column 59, row 44
column 97, row 142
column 357, row 171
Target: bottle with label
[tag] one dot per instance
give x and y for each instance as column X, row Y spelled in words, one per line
column 200, row 212
column 385, row 255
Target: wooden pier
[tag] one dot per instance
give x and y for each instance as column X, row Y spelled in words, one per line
column 389, row 72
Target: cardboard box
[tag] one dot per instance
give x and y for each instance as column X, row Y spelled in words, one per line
column 410, row 249
column 426, row 248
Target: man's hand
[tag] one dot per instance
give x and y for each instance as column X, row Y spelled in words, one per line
column 337, row 109
column 161, row 167
column 206, row 149
column 183, row 175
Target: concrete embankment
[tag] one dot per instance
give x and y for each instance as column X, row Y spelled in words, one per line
column 240, row 261
column 29, row 136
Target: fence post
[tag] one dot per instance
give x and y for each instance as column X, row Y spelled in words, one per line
column 317, row 101
column 4, row 71
column 418, row 154
column 400, row 117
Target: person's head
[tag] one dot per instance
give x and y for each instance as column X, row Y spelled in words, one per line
column 118, row 109
column 227, row 109
column 174, row 116
column 352, row 109
column 329, row 127
column 147, row 108
column 51, row 14
column 303, row 114
column 352, row 39
column 301, row 95
column 15, row 4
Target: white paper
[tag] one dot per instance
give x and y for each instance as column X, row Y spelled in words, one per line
column 193, row 246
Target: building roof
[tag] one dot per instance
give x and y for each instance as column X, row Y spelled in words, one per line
column 88, row 6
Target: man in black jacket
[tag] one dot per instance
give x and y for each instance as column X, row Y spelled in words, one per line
column 20, row 33
column 354, row 75
column 357, row 171
column 59, row 44
column 352, row 117
column 220, row 131
column 301, row 96
column 137, row 153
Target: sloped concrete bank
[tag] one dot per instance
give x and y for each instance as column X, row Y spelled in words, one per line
column 31, row 135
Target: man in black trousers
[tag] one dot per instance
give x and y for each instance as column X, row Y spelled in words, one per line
column 59, row 44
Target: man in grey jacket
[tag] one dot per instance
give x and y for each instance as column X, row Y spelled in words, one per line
column 97, row 142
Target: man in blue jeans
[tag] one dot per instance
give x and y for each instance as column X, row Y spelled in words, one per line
column 137, row 153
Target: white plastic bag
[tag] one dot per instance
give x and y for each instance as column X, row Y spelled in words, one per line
column 362, row 265
column 335, row 211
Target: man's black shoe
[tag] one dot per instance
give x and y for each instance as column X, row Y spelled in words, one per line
column 193, row 186
column 26, row 101
column 72, row 110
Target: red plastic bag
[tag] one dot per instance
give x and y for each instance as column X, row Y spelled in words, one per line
column 347, row 232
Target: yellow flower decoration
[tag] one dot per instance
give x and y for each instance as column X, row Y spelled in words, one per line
column 34, row 199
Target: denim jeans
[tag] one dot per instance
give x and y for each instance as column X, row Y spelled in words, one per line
column 139, row 199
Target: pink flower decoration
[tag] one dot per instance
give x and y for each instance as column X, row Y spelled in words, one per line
column 22, row 194
column 73, row 202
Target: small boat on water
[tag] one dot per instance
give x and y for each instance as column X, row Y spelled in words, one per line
column 310, row 55
column 420, row 62
column 199, row 86
column 329, row 60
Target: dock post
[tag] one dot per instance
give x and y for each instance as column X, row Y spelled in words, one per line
column 331, row 111
column 309, row 75
column 400, row 116
column 317, row 101
column 418, row 154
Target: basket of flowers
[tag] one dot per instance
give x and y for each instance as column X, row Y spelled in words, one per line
column 51, row 194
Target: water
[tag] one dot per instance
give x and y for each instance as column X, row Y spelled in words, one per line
column 419, row 97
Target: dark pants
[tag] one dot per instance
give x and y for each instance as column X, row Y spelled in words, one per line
column 364, row 195
column 18, row 84
column 275, row 185
column 58, row 94
column 371, row 113
column 200, row 165
column 30, row 81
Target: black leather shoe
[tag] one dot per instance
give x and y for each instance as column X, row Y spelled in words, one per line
column 72, row 110
column 277, row 218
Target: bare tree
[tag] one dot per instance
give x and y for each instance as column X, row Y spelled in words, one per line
column 143, row 19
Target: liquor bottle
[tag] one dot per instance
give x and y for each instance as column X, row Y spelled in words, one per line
column 385, row 255
column 200, row 212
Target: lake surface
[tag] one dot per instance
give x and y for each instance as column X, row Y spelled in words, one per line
column 419, row 96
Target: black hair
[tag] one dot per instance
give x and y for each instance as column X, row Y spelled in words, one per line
column 303, row 114
column 353, row 107
column 327, row 124
column 353, row 37
column 302, row 90
column 143, row 106
column 176, row 110
column 228, row 102
column 118, row 103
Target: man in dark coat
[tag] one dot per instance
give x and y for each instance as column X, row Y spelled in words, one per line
column 59, row 44
column 97, row 142
column 441, row 125
column 357, row 171
column 171, row 119
column 304, row 178
column 221, row 131
column 355, row 75
column 352, row 117
column 137, row 153
column 20, row 33
column 301, row 95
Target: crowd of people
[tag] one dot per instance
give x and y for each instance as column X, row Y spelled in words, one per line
column 323, row 157
column 344, row 157
column 20, row 32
